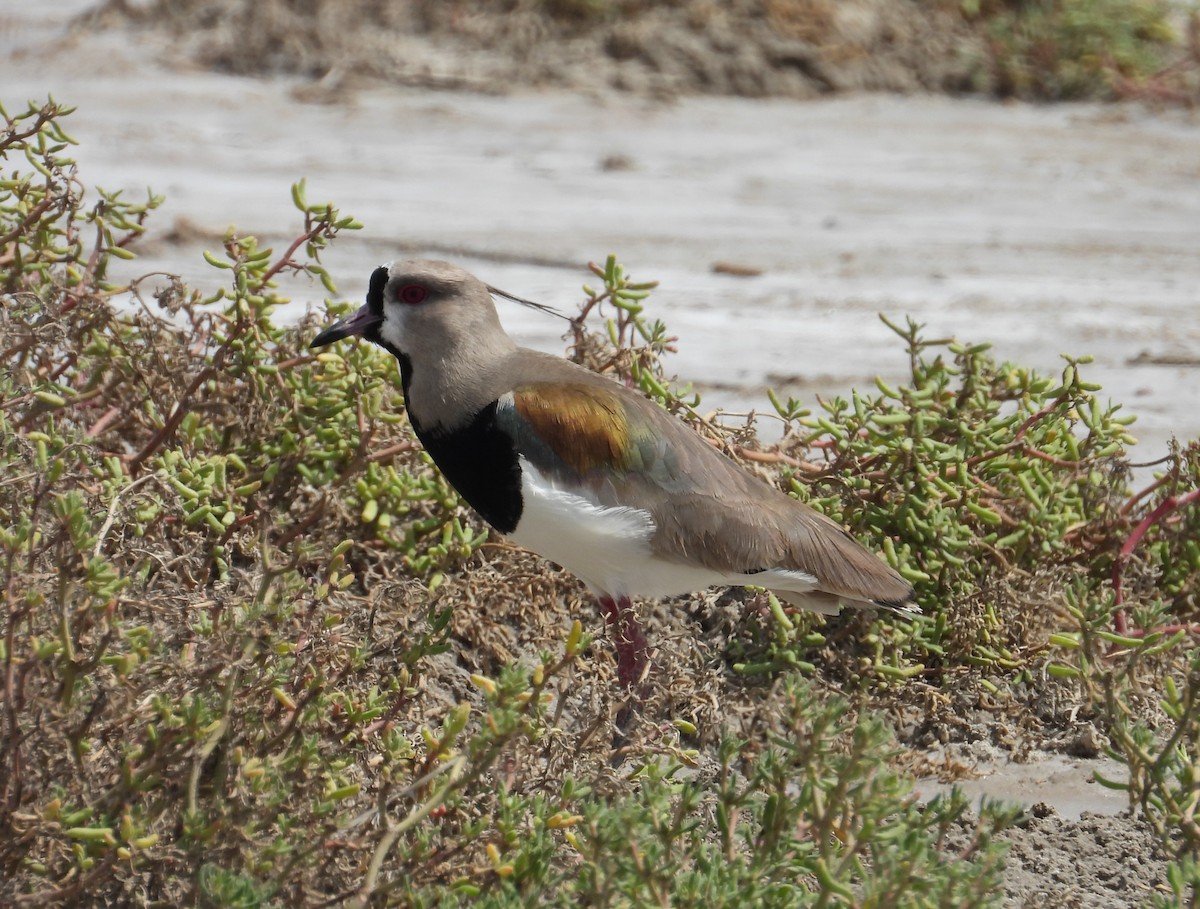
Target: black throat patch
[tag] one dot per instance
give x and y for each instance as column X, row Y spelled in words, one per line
column 479, row 459
column 379, row 278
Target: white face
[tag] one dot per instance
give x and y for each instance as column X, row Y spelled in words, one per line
column 439, row 314
column 417, row 308
column 444, row 323
column 393, row 329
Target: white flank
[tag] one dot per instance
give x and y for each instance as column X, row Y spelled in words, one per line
column 608, row 547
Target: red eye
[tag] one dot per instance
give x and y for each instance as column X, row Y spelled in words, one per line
column 412, row 294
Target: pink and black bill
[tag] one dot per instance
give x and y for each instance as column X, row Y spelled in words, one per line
column 364, row 322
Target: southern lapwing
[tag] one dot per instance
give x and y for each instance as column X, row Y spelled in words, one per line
column 589, row 473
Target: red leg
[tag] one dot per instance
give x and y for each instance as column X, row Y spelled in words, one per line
column 632, row 650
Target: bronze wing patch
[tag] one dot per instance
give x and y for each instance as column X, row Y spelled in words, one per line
column 582, row 428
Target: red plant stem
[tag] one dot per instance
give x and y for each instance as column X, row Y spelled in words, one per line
column 285, row 260
column 384, row 453
column 1033, row 418
column 104, row 422
column 1138, row 496
column 45, row 115
column 775, row 457
column 177, row 414
column 34, row 213
column 1041, row 455
column 1167, row 506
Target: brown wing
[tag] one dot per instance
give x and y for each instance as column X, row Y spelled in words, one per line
column 707, row 510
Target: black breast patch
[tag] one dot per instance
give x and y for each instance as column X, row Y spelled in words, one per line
column 479, row 459
column 480, row 462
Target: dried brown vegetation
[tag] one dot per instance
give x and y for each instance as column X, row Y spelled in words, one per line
column 255, row 652
column 755, row 48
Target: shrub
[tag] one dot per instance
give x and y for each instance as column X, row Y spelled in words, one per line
column 231, row 584
column 204, row 701
column 1071, row 49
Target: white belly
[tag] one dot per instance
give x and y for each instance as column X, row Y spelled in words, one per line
column 608, row 548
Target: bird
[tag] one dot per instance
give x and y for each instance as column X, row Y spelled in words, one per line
column 589, row 473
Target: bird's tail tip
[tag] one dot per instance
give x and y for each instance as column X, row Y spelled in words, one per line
column 906, row 605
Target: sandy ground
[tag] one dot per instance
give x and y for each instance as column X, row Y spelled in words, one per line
column 1044, row 230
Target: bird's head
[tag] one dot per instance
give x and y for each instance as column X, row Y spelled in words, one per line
column 424, row 303
column 418, row 305
column 440, row 322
